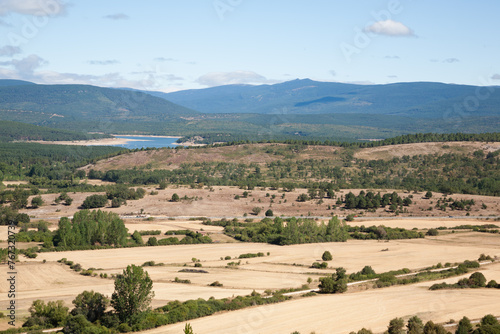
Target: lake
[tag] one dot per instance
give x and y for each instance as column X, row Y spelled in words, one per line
column 144, row 142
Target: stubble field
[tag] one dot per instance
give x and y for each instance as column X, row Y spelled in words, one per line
column 284, row 267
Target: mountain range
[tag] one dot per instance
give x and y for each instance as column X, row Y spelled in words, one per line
column 415, row 99
column 293, row 109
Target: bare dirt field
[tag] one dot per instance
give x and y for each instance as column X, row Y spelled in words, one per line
column 221, row 202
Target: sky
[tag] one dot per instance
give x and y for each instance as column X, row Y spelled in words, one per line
column 171, row 45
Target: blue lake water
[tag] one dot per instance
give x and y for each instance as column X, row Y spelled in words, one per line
column 144, row 142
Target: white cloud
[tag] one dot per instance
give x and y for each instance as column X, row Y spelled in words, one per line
column 27, row 65
column 389, row 28
column 9, row 50
column 332, row 73
column 119, row 16
column 103, row 62
column 33, row 7
column 451, row 60
column 232, row 78
column 28, row 69
column 164, row 59
column 495, row 77
column 392, row 57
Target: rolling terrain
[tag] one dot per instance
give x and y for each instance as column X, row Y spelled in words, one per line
column 298, row 109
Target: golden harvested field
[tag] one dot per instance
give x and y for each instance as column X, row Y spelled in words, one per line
column 372, row 309
column 284, row 267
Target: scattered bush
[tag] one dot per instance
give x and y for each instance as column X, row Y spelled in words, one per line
column 327, row 256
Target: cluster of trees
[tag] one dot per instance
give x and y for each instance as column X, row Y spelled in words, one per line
column 447, row 173
column 9, row 216
column 89, row 228
column 287, row 232
column 49, row 162
column 10, row 131
column 120, row 193
column 370, row 200
column 336, row 283
column 216, row 138
column 297, row 231
column 463, row 204
column 18, row 198
column 415, row 325
column 476, row 280
column 383, row 233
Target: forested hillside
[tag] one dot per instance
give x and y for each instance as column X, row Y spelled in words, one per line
column 16, row 131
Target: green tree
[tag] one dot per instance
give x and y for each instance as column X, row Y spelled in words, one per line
column 36, row 202
column 133, row 293
column 477, row 280
column 137, row 237
column 175, row 198
column 42, row 226
column 78, row 324
column 396, row 326
column 91, row 305
column 152, row 241
column 269, row 213
column 162, row 185
column 367, row 270
column 432, row 328
column 95, row 201
column 489, row 320
column 327, row 256
column 364, row 331
column 336, row 283
column 464, row 326
column 428, row 194
column 415, row 325
column 52, row 314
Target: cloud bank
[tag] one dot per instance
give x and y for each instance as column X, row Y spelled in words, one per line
column 32, row 7
column 232, row 78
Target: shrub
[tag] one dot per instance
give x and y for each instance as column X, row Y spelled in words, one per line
column 152, row 241
column 318, row 265
column 477, row 280
column 432, row 232
column 37, row 202
column 216, row 283
column 175, row 198
column 327, row 256
column 256, row 210
column 492, row 284
column 269, row 213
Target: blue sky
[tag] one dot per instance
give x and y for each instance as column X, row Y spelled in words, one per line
column 170, row 45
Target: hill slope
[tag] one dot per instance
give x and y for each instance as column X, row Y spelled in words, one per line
column 83, row 107
column 416, row 99
column 16, row 131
